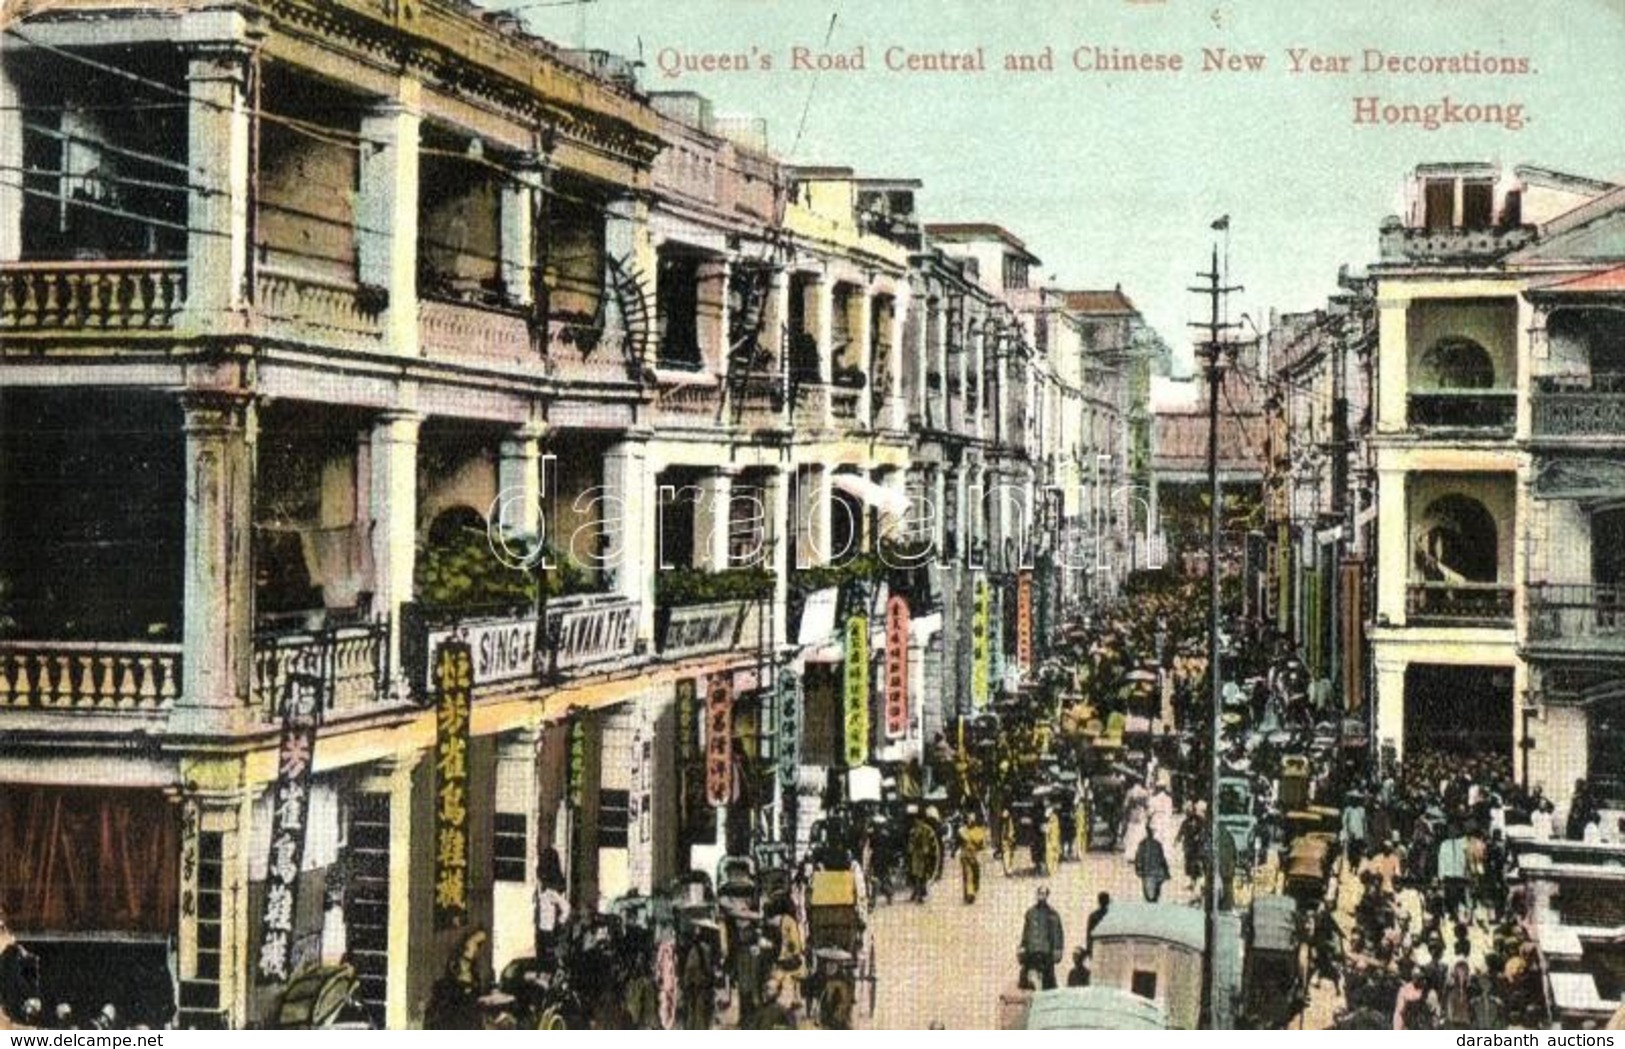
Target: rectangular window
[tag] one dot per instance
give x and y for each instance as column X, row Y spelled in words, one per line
column 1439, row 203
column 614, row 818
column 677, row 304
column 1477, row 205
column 508, row 847
column 575, row 254
column 1144, row 983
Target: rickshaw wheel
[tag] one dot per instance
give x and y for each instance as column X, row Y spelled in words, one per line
column 552, row 1019
column 936, row 859
column 872, row 977
column 1052, row 844
column 1007, row 849
column 835, row 1004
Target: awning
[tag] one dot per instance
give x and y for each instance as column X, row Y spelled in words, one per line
column 886, row 500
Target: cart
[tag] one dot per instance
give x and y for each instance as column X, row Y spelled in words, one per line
column 1105, row 824
column 1272, row 975
column 843, row 951
column 1307, row 868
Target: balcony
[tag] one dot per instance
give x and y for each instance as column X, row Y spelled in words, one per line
column 91, row 296
column 102, row 676
column 759, row 403
column 1488, row 410
column 843, row 406
column 581, row 350
column 461, row 332
column 1578, row 406
column 351, row 661
column 1458, row 604
column 689, row 401
column 316, row 310
column 1399, row 243
column 1579, row 616
column 812, row 406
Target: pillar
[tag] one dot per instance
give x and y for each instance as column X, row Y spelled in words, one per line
column 1393, row 546
column 711, row 514
column 813, row 507
column 224, row 812
column 393, row 776
column 217, row 160
column 776, row 496
column 1390, row 701
column 870, row 400
column 714, row 317
column 1392, row 346
column 218, row 588
column 518, row 239
column 387, row 213
column 519, row 482
column 629, row 522
column 518, row 791
column 823, row 321
column 896, row 405
column 393, row 500
column 11, row 162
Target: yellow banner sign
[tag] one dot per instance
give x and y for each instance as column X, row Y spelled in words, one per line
column 897, row 622
column 857, row 691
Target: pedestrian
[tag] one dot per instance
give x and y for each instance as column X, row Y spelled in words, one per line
column 1042, row 943
column 1151, row 864
column 697, row 981
column 972, row 843
column 1078, row 976
column 1096, row 916
column 551, row 914
column 924, row 850
column 1353, row 832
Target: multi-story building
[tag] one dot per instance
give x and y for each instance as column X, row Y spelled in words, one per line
column 1463, row 525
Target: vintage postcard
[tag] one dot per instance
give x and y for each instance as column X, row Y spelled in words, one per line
column 689, row 514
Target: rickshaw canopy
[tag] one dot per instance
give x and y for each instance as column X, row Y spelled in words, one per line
column 1275, row 923
column 1093, row 1009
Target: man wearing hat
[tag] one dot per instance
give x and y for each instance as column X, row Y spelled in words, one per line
column 1042, row 943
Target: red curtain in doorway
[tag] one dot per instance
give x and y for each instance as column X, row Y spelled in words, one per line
column 88, row 860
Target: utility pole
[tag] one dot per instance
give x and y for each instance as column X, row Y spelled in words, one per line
column 1212, row 352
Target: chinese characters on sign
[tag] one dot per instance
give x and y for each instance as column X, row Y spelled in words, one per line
column 719, row 727
column 789, row 727
column 454, row 682
column 857, row 691
column 897, row 620
column 301, row 699
column 978, row 646
column 1024, row 622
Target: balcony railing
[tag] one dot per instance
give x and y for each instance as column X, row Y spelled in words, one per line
column 759, row 402
column 1477, row 604
column 100, row 296
column 458, row 331
column 318, row 310
column 1578, row 406
column 696, row 403
column 1420, row 244
column 843, row 405
column 1579, row 612
column 812, row 407
column 96, row 675
column 591, row 629
column 352, row 662
column 581, row 351
column 1464, row 409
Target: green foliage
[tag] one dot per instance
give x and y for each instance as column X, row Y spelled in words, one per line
column 691, row 586
column 466, row 574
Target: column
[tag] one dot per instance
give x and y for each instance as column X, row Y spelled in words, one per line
column 1390, row 700
column 218, row 589
column 711, row 514
column 813, row 507
column 937, row 361
column 776, row 497
column 1393, row 546
column 629, row 521
column 518, row 240
column 387, row 213
column 225, row 811
column 517, row 792
column 823, row 321
column 393, row 776
column 896, row 405
column 1392, row 346
column 869, row 398
column 11, row 162
column 519, row 483
column 393, row 500
column 714, row 319
column 940, row 511
column 217, row 159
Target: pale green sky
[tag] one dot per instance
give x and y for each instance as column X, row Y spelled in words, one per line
column 1115, row 177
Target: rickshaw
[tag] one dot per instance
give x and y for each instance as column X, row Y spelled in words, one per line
column 321, row 997
column 842, row 950
column 736, row 881
column 1107, row 792
column 1272, row 974
column 1082, row 1009
column 1236, row 811
column 1029, row 826
column 1308, row 866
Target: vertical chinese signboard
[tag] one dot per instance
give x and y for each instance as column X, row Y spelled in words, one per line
column 454, row 683
column 301, row 700
column 979, row 646
column 857, row 691
column 789, row 698
column 897, row 620
column 1024, row 622
column 719, row 730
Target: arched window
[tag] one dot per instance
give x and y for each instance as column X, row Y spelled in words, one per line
column 1457, row 542
column 455, row 524
column 1456, row 363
